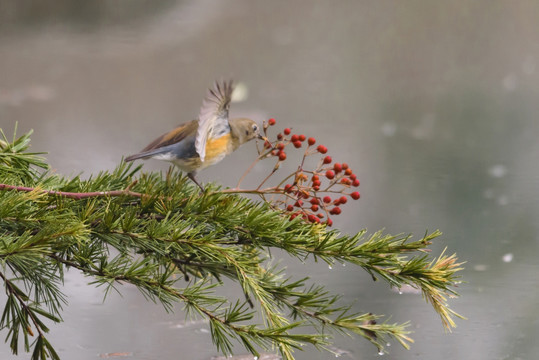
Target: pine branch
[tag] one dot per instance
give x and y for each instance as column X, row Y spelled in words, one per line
column 163, row 231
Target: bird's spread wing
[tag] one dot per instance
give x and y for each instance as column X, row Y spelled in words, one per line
column 213, row 111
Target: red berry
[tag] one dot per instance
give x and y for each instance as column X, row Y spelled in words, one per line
column 346, row 181
column 316, row 187
column 335, row 211
column 280, row 146
column 355, row 195
column 267, row 144
column 297, row 144
column 298, row 203
column 312, row 218
column 271, row 122
column 337, row 201
column 288, row 188
column 317, row 183
column 347, row 171
column 337, row 167
column 343, row 200
column 344, row 166
column 327, row 159
column 327, row 199
column 355, row 183
column 279, row 136
column 287, row 131
column 322, row 149
column 302, row 137
column 352, row 177
column 314, row 208
column 329, row 222
column 294, row 138
column 282, row 156
column 314, row 201
column 311, row 141
column 289, row 208
column 274, row 152
column 320, row 215
column 330, row 174
column 315, row 178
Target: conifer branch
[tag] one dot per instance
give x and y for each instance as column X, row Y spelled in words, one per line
column 164, row 231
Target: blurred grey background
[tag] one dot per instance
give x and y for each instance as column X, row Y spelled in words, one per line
column 433, row 104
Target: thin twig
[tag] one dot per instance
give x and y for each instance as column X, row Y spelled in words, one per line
column 270, row 190
column 247, row 172
column 260, row 157
column 72, row 195
column 266, row 178
column 23, row 304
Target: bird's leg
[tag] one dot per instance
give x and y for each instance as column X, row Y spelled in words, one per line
column 191, row 176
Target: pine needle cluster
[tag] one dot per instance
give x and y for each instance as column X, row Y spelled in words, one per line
column 158, row 233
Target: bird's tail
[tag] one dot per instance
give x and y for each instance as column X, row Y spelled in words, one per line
column 143, row 155
column 159, row 152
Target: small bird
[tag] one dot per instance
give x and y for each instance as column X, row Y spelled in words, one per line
column 197, row 144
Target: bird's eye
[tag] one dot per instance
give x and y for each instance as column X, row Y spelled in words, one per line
column 255, row 128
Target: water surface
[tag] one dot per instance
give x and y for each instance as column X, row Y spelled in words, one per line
column 433, row 104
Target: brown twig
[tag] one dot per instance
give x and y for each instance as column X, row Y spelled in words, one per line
column 72, row 195
column 260, row 157
column 270, row 190
column 85, row 195
column 267, row 177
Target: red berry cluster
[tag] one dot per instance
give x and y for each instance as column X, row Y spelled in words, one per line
column 314, row 195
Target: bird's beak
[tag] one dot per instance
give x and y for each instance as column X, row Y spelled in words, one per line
column 262, row 137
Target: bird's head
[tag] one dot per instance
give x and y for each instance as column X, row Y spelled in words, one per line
column 245, row 130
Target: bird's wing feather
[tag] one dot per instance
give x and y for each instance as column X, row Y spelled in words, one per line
column 174, row 136
column 213, row 111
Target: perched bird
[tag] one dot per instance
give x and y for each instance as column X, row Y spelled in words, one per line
column 197, row 144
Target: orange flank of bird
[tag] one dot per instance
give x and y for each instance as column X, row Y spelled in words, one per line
column 214, row 148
